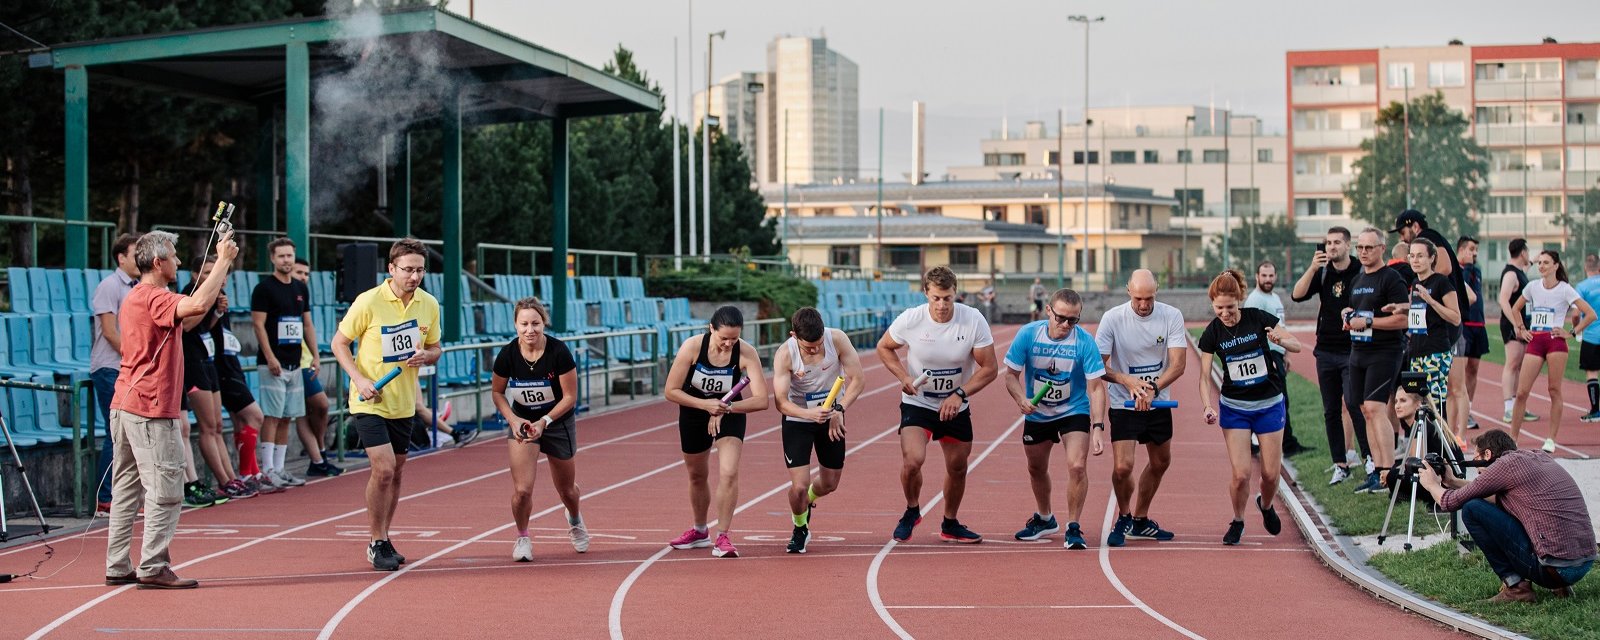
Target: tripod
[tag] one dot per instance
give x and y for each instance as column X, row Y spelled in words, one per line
column 1427, row 424
column 6, row 531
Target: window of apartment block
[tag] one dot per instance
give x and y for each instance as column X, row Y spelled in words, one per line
column 964, row 257
column 1214, row 156
column 1447, row 74
column 1577, row 204
column 1263, row 155
column 1036, row 214
column 1552, row 204
column 1506, row 204
column 847, row 256
column 1318, row 207
column 932, row 211
column 1053, row 158
column 909, row 258
column 1245, row 201
column 1003, row 159
column 995, row 212
column 1195, row 197
column 1582, row 69
column 1094, row 157
column 1401, row 75
column 1122, row 216
column 1151, row 156
column 1123, row 157
column 1185, row 156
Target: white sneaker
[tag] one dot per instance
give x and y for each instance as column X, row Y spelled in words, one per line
column 1549, row 445
column 284, row 479
column 580, row 536
column 1339, row 475
column 1351, row 457
column 523, row 550
column 265, row 479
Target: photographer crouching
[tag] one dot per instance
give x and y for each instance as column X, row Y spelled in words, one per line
column 1525, row 512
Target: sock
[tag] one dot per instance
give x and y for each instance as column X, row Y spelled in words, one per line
column 811, row 492
column 522, row 533
column 802, row 519
column 699, row 528
column 264, row 452
column 1594, row 396
column 1045, row 516
column 245, row 440
column 574, row 520
column 279, row 452
column 1508, row 405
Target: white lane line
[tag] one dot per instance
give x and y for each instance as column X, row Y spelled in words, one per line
column 877, row 560
column 1012, row 606
column 1111, row 575
column 66, row 617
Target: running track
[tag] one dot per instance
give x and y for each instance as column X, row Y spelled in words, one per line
column 293, row 565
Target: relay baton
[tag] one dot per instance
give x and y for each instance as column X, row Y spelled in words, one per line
column 833, row 394
column 733, row 393
column 386, row 379
column 1159, row 404
column 1039, row 395
column 921, row 380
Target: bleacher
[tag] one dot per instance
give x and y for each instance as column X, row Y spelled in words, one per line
column 858, row 305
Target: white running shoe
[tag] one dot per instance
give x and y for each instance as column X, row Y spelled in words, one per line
column 1549, row 445
column 523, row 550
column 283, row 478
column 580, row 536
column 1339, row 475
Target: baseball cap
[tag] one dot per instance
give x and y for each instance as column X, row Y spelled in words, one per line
column 1407, row 217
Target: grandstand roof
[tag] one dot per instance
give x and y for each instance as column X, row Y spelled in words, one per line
column 901, row 193
column 916, row 229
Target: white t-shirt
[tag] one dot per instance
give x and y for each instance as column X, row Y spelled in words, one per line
column 1268, row 302
column 1138, row 345
column 1547, row 308
column 943, row 351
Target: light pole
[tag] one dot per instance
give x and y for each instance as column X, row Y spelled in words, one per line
column 1227, row 192
column 1584, row 183
column 755, row 90
column 694, row 237
column 879, row 258
column 1061, row 208
column 677, row 159
column 785, row 184
column 1084, row 246
column 1188, row 123
column 705, row 143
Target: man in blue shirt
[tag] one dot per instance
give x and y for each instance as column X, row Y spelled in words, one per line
column 1589, row 353
column 1056, row 376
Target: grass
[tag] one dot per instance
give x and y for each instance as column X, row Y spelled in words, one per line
column 1464, row 583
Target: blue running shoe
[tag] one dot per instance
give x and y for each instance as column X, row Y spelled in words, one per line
column 1119, row 531
column 1074, row 537
column 911, row 518
column 1147, row 529
column 1038, row 527
column 1372, row 485
column 953, row 531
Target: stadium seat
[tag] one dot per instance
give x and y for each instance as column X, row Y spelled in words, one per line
column 83, row 330
column 20, row 348
column 62, row 342
column 22, row 418
column 21, row 292
column 77, row 296
column 39, row 290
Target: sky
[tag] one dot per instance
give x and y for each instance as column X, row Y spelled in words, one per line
column 975, row 63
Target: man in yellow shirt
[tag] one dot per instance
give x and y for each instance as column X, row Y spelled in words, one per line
column 396, row 325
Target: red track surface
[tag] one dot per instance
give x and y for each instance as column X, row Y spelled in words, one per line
column 293, row 564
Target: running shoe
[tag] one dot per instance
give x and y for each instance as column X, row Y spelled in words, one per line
column 1269, row 518
column 1038, row 527
column 911, row 518
column 1549, row 445
column 1340, row 474
column 1235, row 531
column 952, row 530
column 1119, row 531
column 1074, row 537
column 1592, row 416
column 1527, row 416
column 579, row 534
column 464, row 436
column 522, row 551
column 265, row 485
column 381, row 556
column 397, row 557
column 1147, row 529
column 445, row 411
column 236, row 490
column 286, row 479
column 799, row 539
column 724, row 547
column 1472, row 423
column 323, row 469
column 1371, row 485
column 102, row 509
column 197, row 495
column 691, row 539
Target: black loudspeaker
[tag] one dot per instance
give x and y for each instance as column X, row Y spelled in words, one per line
column 358, row 269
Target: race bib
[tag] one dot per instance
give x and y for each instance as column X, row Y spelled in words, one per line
column 1146, row 373
column 941, row 382
column 230, row 343
column 537, row 395
column 291, row 330
column 712, row 381
column 1246, row 369
column 1417, row 319
column 1362, row 335
column 1060, row 388
column 815, row 399
column 211, row 345
column 1542, row 319
column 400, row 341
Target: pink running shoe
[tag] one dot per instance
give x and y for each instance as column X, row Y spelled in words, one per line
column 724, row 547
column 691, row 539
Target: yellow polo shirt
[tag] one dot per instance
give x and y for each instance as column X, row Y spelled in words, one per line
column 388, row 332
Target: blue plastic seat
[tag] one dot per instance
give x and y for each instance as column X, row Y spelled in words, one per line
column 39, row 289
column 63, row 342
column 21, row 292
column 20, row 417
column 77, row 297
column 20, row 348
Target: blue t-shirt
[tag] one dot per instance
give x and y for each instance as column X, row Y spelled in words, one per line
column 1590, row 290
column 1070, row 363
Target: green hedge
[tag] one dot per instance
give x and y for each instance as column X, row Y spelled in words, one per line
column 779, row 295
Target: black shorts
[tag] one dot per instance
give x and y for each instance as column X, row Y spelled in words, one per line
column 958, row 428
column 1038, row 305
column 559, row 440
column 1473, row 343
column 1589, row 356
column 376, row 431
column 1373, row 376
column 1051, row 431
column 799, row 438
column 199, row 374
column 1508, row 334
column 1146, row 427
column 692, row 426
column 235, row 392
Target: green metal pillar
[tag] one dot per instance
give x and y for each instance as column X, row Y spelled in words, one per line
column 450, row 219
column 77, row 166
column 297, row 145
column 400, row 186
column 265, row 216
column 559, row 177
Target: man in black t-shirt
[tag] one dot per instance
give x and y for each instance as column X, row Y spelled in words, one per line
column 1375, row 349
column 280, row 309
column 1329, row 277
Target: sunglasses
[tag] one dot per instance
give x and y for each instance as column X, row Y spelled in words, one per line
column 1067, row 320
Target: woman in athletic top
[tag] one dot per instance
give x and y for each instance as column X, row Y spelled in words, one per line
column 536, row 389
column 1547, row 301
column 707, row 368
column 1252, row 400
column 1430, row 318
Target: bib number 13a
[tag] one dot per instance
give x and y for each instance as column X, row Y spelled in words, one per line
column 400, row 341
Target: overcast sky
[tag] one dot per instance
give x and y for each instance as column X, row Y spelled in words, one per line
column 975, row 62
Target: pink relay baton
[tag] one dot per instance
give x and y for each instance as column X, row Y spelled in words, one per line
column 733, row 394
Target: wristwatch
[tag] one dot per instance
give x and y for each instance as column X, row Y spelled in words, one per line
column 1099, row 425
column 547, row 420
column 838, row 407
column 961, row 391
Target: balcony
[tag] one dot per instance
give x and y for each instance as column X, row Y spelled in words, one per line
column 1512, row 90
column 1315, row 228
column 1509, row 225
column 1511, row 135
column 1579, row 179
column 1321, row 183
column 1330, row 138
column 1588, row 133
column 1538, row 179
column 1583, row 88
column 1336, row 93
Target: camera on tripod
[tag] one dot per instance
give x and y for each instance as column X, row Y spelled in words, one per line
column 1414, row 464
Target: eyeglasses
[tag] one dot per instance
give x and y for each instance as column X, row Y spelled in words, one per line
column 1368, row 247
column 1066, row 320
column 414, row 271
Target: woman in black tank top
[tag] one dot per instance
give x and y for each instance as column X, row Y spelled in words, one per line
column 706, row 369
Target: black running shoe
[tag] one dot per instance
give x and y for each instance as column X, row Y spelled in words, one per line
column 381, row 555
column 1235, row 531
column 799, row 539
column 1269, row 518
column 911, row 518
column 952, row 530
column 397, row 557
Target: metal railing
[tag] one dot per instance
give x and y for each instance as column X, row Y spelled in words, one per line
column 512, row 256
column 82, row 428
column 106, row 229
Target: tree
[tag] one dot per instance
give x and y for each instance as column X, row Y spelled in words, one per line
column 1259, row 238
column 1448, row 173
column 1583, row 227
